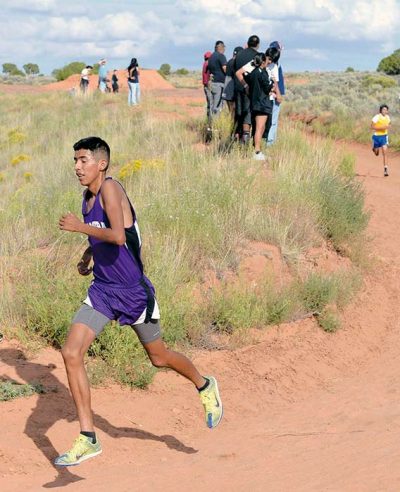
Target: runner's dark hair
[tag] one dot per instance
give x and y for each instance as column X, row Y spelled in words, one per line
column 95, row 145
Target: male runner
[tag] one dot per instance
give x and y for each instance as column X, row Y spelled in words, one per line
column 120, row 291
column 380, row 140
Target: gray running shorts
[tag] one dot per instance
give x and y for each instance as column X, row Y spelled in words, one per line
column 146, row 332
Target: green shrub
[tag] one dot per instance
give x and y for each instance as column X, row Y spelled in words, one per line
column 378, row 80
column 347, row 165
column 10, row 390
column 390, row 64
column 165, row 69
column 68, row 70
column 342, row 214
column 329, row 321
column 54, row 294
column 182, row 71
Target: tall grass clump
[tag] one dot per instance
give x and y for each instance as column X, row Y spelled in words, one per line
column 312, row 194
column 196, row 210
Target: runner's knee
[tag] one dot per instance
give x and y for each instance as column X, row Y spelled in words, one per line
column 160, row 359
column 71, row 355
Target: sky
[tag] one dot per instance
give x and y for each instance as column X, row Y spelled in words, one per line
column 316, row 34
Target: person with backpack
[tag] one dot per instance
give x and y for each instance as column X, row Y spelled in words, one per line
column 259, row 89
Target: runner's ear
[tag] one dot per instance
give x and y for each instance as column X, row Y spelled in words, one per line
column 103, row 165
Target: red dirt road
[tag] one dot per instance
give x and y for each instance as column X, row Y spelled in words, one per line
column 304, row 410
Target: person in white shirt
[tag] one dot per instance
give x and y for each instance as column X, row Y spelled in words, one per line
column 84, row 84
column 273, row 71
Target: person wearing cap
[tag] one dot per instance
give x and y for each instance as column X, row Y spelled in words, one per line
column 206, row 82
column 102, row 75
column 217, row 69
column 242, row 105
column 273, row 131
column 229, row 88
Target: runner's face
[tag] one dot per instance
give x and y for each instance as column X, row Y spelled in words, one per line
column 385, row 111
column 87, row 167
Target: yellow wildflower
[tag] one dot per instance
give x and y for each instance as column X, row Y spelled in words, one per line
column 129, row 169
column 20, row 158
column 16, row 136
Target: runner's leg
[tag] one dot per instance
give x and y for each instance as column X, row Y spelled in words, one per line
column 79, row 339
column 161, row 356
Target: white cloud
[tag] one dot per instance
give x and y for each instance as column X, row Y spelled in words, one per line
column 54, row 28
column 309, row 53
column 34, row 5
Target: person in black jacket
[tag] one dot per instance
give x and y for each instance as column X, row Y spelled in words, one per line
column 259, row 89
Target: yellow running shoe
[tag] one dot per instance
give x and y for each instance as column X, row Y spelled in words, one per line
column 212, row 403
column 81, row 450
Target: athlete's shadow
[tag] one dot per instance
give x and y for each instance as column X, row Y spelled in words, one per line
column 56, row 404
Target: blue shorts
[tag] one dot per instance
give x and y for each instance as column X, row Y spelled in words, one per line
column 379, row 141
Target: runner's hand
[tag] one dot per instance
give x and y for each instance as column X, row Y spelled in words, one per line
column 83, row 265
column 70, row 222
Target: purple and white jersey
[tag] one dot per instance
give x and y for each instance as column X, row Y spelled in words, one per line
column 119, row 290
column 114, row 265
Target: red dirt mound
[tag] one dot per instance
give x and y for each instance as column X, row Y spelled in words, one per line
column 149, row 80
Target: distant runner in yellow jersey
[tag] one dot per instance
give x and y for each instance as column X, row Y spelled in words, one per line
column 380, row 140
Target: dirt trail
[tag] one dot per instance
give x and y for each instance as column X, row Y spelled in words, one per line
column 304, row 410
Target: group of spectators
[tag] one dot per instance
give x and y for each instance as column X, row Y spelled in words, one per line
column 251, row 84
column 103, row 80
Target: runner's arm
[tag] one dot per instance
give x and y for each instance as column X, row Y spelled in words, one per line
column 377, row 127
column 111, row 196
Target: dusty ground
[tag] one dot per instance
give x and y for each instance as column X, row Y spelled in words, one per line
column 304, row 410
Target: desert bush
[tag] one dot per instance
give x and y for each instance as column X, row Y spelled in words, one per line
column 68, row 70
column 10, row 390
column 182, row 71
column 378, row 81
column 165, row 69
column 390, row 64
